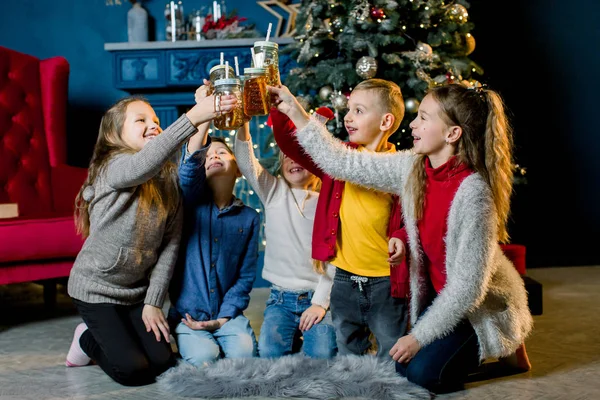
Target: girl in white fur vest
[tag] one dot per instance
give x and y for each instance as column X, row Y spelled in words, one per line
column 468, row 302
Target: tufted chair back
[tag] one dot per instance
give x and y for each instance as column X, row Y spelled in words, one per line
column 33, row 99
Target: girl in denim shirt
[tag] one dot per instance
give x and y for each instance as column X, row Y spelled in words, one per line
column 299, row 300
column 217, row 262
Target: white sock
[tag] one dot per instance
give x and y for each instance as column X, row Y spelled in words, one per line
column 76, row 356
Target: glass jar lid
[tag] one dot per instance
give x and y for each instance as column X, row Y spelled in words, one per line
column 219, row 66
column 230, row 81
column 266, row 44
column 255, row 71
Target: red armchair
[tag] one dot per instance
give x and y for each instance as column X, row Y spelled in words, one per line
column 41, row 243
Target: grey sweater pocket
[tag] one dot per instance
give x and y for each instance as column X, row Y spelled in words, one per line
column 125, row 267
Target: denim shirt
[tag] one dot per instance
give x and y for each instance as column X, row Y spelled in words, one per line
column 219, row 250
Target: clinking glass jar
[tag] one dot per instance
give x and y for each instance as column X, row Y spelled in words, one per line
column 235, row 118
column 267, row 56
column 256, row 97
column 218, row 72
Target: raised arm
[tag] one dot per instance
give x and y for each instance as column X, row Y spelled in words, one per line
column 263, row 183
column 192, row 174
column 381, row 171
column 128, row 170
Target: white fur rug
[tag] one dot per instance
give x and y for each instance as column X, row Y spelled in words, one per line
column 292, row 376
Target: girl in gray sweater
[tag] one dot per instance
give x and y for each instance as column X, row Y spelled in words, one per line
column 467, row 301
column 129, row 211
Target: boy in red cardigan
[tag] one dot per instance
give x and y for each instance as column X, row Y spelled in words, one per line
column 352, row 225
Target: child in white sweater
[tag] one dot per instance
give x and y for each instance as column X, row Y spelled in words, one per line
column 299, row 300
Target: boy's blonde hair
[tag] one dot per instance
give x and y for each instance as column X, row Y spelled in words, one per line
column 161, row 191
column 390, row 98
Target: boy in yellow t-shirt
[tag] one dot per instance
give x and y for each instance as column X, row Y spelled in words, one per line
column 352, row 224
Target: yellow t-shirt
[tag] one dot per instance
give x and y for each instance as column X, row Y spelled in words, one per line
column 362, row 241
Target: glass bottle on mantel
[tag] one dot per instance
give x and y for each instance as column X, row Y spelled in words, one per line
column 234, row 119
column 256, row 97
column 137, row 23
column 174, row 21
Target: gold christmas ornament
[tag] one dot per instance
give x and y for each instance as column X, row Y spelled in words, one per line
column 424, row 51
column 366, row 67
column 411, row 105
column 325, row 92
column 463, row 44
column 458, row 13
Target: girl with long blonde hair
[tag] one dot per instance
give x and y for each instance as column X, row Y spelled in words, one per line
column 467, row 301
column 128, row 209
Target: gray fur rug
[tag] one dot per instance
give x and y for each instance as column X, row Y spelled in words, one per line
column 292, row 376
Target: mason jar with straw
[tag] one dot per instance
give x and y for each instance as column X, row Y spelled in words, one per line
column 265, row 54
column 256, row 97
column 234, row 119
column 221, row 71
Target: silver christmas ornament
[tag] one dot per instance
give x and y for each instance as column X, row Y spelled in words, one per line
column 339, row 101
column 411, row 105
column 366, row 67
column 325, row 92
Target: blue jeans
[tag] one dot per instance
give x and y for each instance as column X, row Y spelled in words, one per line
column 279, row 334
column 362, row 305
column 443, row 365
column 235, row 339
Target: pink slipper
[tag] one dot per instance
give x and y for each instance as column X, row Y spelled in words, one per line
column 76, row 356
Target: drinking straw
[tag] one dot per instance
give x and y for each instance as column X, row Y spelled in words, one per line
column 269, row 31
column 254, row 58
column 222, row 57
column 237, row 67
column 226, row 69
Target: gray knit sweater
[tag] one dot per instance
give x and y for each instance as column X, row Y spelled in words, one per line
column 127, row 259
column 482, row 285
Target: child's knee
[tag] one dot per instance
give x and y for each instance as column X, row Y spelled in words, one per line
column 320, row 342
column 244, row 346
column 134, row 371
column 198, row 355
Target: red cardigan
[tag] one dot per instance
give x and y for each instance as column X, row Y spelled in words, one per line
column 327, row 219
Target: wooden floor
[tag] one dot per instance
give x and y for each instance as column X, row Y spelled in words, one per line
column 564, row 348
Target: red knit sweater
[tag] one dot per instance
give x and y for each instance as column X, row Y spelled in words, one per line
column 442, row 184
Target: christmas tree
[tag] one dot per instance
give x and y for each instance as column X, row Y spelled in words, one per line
column 415, row 43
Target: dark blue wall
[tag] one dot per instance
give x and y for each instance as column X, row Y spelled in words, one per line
column 540, row 54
